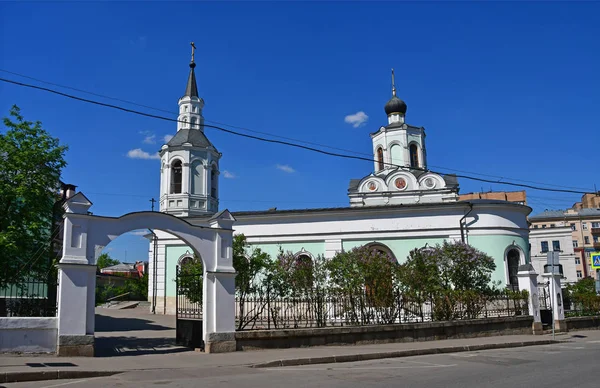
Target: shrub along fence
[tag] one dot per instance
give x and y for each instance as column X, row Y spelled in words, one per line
column 324, row 308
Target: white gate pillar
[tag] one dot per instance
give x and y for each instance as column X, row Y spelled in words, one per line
column 556, row 299
column 77, row 284
column 528, row 282
column 219, row 290
column 76, row 303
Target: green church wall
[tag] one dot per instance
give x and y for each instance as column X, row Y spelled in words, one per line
column 495, row 246
column 314, row 248
column 172, row 255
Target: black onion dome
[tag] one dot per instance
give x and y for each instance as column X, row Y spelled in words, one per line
column 395, row 105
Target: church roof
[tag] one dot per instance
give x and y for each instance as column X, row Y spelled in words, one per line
column 195, row 137
column 359, row 209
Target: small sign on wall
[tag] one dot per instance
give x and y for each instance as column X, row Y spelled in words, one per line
column 595, row 259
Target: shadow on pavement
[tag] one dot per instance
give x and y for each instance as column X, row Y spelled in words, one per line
column 106, row 323
column 134, row 346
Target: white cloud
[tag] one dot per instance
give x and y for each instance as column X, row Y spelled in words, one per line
column 357, row 119
column 167, row 138
column 285, row 168
column 150, row 139
column 138, row 153
column 227, row 174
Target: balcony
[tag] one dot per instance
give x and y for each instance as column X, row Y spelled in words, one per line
column 596, row 246
column 596, row 231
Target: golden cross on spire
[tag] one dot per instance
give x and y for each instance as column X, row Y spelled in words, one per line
column 193, row 49
column 393, row 84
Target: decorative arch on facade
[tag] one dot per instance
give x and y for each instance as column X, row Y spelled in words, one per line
column 431, row 181
column 372, row 184
column 176, row 176
column 413, row 150
column 186, row 258
column 380, row 162
column 382, row 248
column 513, row 258
column 401, row 182
column 197, row 177
column 396, row 154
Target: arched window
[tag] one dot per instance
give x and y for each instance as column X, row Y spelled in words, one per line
column 304, row 271
column 213, row 182
column 176, row 175
column 380, row 290
column 513, row 259
column 193, row 122
column 414, row 156
column 380, row 165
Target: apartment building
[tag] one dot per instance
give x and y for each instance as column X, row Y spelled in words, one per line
column 585, row 231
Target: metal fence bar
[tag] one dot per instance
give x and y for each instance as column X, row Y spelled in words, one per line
column 29, row 298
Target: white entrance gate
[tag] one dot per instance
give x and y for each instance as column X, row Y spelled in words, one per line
column 86, row 235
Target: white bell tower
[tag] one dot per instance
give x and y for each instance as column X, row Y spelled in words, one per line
column 189, row 174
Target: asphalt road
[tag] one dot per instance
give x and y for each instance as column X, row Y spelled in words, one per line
column 549, row 366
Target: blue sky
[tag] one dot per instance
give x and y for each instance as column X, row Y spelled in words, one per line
column 508, row 89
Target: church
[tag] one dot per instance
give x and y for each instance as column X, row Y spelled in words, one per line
column 400, row 206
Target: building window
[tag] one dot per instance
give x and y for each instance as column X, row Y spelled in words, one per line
column 586, row 239
column 575, row 244
column 573, row 227
column 584, row 225
column 579, row 276
column 513, row 259
column 414, row 156
column 595, row 224
column 556, row 246
column 595, row 238
column 380, row 159
column 535, row 226
column 577, row 261
column 553, row 225
column 544, row 226
column 176, row 175
column 193, row 122
column 544, row 246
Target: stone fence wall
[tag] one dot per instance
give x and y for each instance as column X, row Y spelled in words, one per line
column 357, row 335
column 28, row 335
column 583, row 323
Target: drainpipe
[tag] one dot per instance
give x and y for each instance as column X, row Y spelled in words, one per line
column 462, row 232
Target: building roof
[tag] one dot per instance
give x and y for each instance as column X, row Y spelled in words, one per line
column 569, row 213
column 451, row 180
column 121, row 267
column 274, row 211
column 195, row 137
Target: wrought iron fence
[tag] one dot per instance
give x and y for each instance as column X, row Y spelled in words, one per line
column 29, row 298
column 322, row 307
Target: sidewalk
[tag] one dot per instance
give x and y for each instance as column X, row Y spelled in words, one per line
column 29, row 368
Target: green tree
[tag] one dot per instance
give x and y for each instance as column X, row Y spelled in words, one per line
column 104, row 260
column 30, row 165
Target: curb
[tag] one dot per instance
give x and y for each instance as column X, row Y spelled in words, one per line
column 400, row 353
column 18, row 377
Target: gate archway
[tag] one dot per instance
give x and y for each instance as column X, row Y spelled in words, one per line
column 86, row 235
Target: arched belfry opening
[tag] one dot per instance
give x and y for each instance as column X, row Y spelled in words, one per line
column 176, row 177
column 85, row 236
column 414, row 156
column 380, row 164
